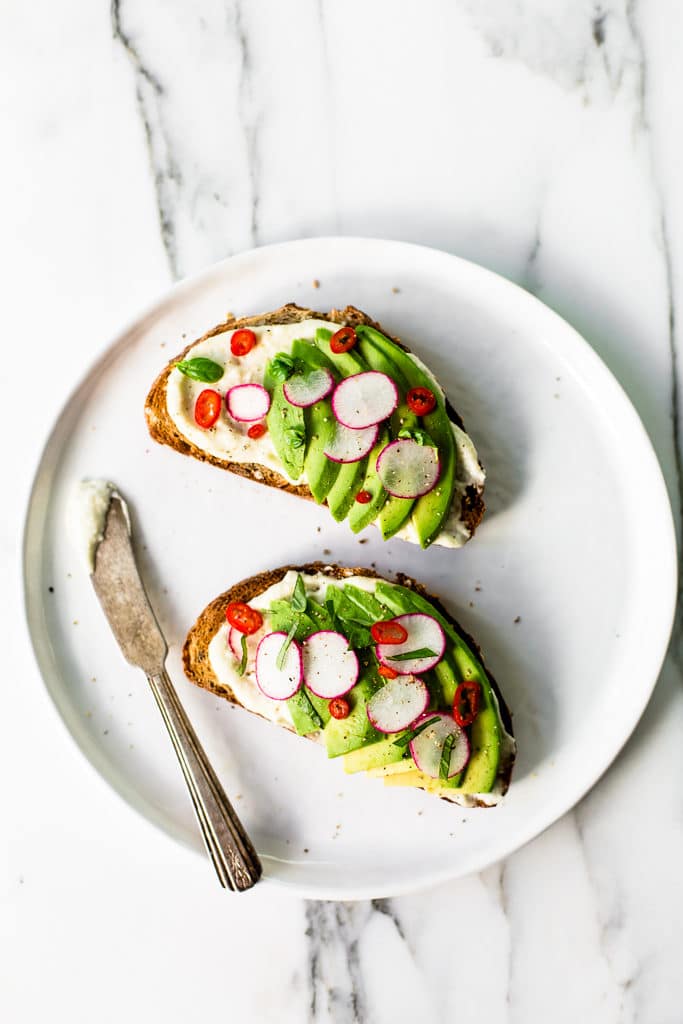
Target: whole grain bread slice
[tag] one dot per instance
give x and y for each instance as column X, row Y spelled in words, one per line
column 196, row 647
column 164, row 431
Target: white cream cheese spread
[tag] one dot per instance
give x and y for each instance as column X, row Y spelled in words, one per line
column 88, row 516
column 228, row 439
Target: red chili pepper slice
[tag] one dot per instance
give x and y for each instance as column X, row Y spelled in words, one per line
column 363, row 497
column 388, row 672
column 466, row 702
column 389, row 632
column 243, row 618
column 421, row 401
column 339, row 707
column 242, row 342
column 207, row 408
column 258, row 430
column 343, row 340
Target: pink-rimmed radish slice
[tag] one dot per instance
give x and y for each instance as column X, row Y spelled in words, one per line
column 424, row 633
column 247, row 403
column 363, row 399
column 399, row 702
column 278, row 683
column 351, row 445
column 427, row 747
column 407, row 469
column 235, row 643
column 330, row 667
column 304, row 389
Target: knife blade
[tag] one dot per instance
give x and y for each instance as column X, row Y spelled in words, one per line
column 121, row 593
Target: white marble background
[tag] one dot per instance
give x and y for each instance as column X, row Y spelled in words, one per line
column 542, row 138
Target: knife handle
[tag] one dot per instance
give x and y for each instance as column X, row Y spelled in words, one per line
column 234, row 857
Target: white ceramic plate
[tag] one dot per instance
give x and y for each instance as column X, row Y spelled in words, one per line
column 570, row 598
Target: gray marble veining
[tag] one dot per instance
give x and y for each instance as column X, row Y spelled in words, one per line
column 541, row 139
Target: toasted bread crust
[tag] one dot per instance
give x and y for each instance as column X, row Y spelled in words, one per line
column 196, row 647
column 164, row 431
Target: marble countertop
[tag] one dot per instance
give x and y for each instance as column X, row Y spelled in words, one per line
column 542, row 140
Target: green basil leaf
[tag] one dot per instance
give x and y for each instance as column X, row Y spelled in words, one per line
column 332, row 612
column 296, row 437
column 281, row 367
column 445, row 762
column 243, row 663
column 299, row 595
column 416, row 434
column 282, row 654
column 421, row 652
column 312, row 713
column 201, row 369
column 405, row 739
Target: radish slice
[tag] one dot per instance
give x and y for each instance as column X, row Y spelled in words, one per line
column 364, row 399
column 351, row 445
column 304, row 389
column 398, row 704
column 330, row 667
column 278, row 683
column 408, row 469
column 427, row 747
column 247, row 402
column 423, row 632
column 235, row 643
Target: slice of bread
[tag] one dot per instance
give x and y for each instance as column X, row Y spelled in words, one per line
column 163, row 429
column 196, row 648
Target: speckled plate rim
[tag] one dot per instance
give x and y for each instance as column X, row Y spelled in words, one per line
column 573, row 347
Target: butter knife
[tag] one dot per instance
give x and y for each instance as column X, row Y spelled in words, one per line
column 122, row 595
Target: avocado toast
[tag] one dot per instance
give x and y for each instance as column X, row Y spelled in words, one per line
column 329, row 407
column 377, row 671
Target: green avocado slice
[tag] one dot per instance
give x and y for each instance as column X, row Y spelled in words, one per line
column 486, row 735
column 345, row 363
column 321, row 472
column 342, row 497
column 287, row 429
column 374, row 755
column 345, row 734
column 361, row 515
column 309, row 713
column 393, row 512
column 430, row 510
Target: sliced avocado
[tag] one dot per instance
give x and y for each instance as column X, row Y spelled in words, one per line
column 396, row 768
column 486, row 733
column 431, row 509
column 361, row 515
column 418, row 778
column 482, row 767
column 354, row 731
column 309, row 713
column 448, row 678
column 342, row 496
column 375, row 755
column 395, row 511
column 320, row 471
column 346, row 363
column 287, row 429
column 307, row 352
